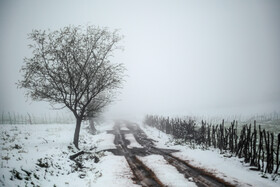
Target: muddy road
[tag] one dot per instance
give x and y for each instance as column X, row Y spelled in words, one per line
column 145, row 176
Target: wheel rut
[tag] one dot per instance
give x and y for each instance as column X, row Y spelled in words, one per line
column 142, row 174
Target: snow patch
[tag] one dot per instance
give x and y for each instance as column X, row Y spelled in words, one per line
column 166, row 173
column 114, row 172
column 133, row 142
column 106, row 141
column 123, row 128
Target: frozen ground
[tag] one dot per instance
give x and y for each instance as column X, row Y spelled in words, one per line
column 39, row 155
column 133, row 142
column 115, row 172
column 230, row 169
column 166, row 173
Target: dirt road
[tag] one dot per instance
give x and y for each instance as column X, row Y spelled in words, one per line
column 145, row 176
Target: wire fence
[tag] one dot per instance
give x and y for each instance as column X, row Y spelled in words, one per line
column 15, row 118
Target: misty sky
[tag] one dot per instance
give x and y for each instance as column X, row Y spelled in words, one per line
column 182, row 57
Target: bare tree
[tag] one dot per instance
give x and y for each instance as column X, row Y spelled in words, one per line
column 97, row 105
column 72, row 67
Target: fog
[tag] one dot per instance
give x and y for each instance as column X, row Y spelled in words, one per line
column 182, row 57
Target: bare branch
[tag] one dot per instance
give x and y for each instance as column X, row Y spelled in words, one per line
column 71, row 67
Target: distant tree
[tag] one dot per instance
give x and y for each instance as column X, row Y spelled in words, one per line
column 72, row 67
column 95, row 108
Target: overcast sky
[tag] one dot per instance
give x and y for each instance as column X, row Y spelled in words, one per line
column 182, row 57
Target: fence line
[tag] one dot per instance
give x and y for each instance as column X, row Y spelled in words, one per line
column 15, row 118
column 256, row 145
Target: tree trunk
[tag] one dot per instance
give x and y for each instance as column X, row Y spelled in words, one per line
column 77, row 132
column 92, row 126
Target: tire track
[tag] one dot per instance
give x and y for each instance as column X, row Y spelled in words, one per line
column 143, row 175
column 201, row 177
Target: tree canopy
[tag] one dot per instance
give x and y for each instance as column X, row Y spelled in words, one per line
column 72, row 67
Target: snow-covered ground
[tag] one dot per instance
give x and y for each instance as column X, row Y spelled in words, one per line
column 105, row 141
column 133, row 142
column 115, row 172
column 230, row 169
column 166, row 173
column 123, row 128
column 39, row 155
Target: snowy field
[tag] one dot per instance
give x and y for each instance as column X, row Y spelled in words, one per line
column 39, row 155
column 230, row 169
